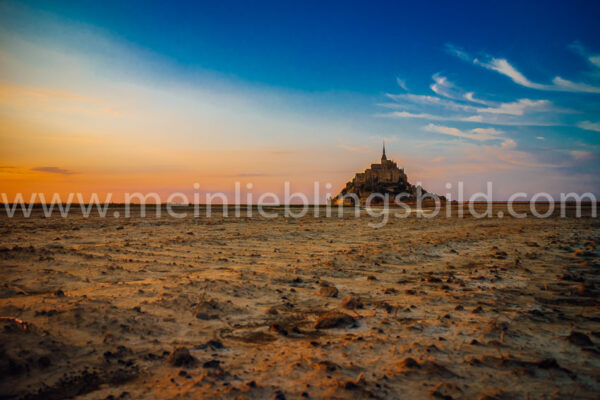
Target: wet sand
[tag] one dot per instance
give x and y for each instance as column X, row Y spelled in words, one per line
column 454, row 308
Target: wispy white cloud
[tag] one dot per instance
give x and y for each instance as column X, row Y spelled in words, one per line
column 509, row 144
column 474, row 134
column 472, row 118
column 406, row 114
column 592, row 58
column 568, row 86
column 502, row 66
column 589, row 125
column 401, row 83
column 430, row 100
column 509, row 113
column 470, row 96
column 503, row 151
column 443, row 87
column 487, row 131
column 523, row 159
column 450, row 103
column 458, row 52
column 490, row 118
column 505, row 68
column 581, row 155
column 517, row 107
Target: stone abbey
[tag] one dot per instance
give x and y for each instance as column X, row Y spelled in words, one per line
column 383, row 178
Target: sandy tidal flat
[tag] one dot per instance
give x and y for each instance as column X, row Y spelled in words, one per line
column 454, row 308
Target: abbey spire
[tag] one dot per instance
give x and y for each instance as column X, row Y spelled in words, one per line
column 383, row 157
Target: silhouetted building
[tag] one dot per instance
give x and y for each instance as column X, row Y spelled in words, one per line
column 383, row 178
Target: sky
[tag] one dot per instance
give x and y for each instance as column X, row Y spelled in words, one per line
column 99, row 97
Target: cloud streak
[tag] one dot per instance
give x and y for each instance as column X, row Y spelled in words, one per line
column 479, row 134
column 589, row 125
column 593, row 59
column 443, row 87
column 466, row 107
column 511, row 108
column 581, row 155
column 449, row 102
column 401, row 83
column 518, row 107
column 54, row 170
column 490, row 118
column 504, row 67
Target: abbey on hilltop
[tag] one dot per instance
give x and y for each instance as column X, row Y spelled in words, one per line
column 384, row 178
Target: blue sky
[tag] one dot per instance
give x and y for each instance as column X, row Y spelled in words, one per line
column 470, row 91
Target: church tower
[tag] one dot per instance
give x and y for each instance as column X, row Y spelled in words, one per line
column 383, row 157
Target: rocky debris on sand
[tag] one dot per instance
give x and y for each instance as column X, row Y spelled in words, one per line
column 181, row 357
column 389, row 308
column 328, row 291
column 136, row 301
column 211, row 344
column 446, row 391
column 255, row 337
column 583, row 253
column 212, row 364
column 207, row 310
column 335, row 319
column 499, row 255
column 279, row 329
column 495, row 394
column 579, row 339
column 326, row 365
column 409, row 365
column 279, row 395
column 353, row 384
column 352, row 303
column 272, row 311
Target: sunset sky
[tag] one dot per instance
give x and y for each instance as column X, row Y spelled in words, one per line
column 152, row 96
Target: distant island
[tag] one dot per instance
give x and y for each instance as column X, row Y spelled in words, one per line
column 383, row 178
